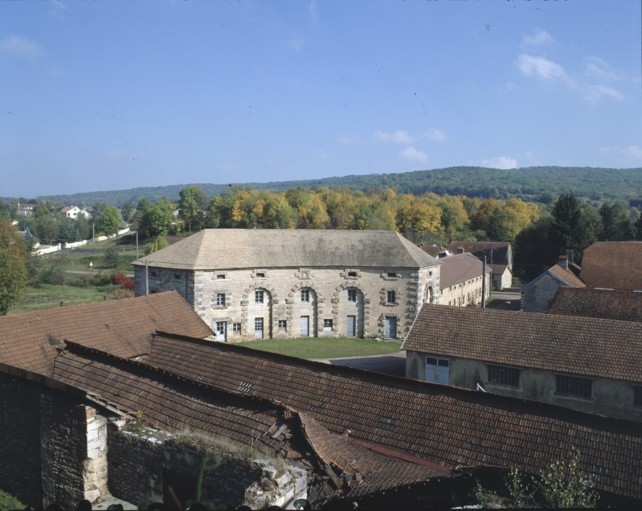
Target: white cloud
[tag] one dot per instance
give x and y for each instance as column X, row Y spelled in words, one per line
column 631, row 152
column 296, row 44
column 313, row 12
column 398, row 137
column 403, row 137
column 21, row 46
column 537, row 38
column 541, row 68
column 597, row 69
column 500, row 162
column 413, row 154
column 593, row 93
column 350, row 140
column 434, row 134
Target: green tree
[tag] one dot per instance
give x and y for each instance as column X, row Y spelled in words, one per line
column 568, row 229
column 110, row 220
column 157, row 218
column 562, row 484
column 616, row 224
column 13, row 270
column 192, row 207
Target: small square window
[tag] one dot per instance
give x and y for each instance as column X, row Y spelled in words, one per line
column 283, row 325
column 260, row 274
column 327, row 325
column 220, row 299
column 258, row 296
column 305, row 295
column 236, row 328
column 352, row 274
column 392, row 275
column 352, row 295
column 391, row 297
column 220, row 276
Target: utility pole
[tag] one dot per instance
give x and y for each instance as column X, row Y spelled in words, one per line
column 484, row 284
column 146, row 279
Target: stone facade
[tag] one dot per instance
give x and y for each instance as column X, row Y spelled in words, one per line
column 243, row 295
column 466, row 293
column 300, row 302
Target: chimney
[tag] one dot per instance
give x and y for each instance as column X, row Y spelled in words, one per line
column 569, row 256
column 563, row 262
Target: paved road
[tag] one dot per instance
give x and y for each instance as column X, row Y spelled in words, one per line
column 509, row 300
column 392, row 364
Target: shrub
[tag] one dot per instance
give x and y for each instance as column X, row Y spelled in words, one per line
column 124, row 281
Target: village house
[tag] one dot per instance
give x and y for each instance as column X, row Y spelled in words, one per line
column 110, row 398
column 73, row 212
column 539, row 293
column 462, row 280
column 613, row 265
column 283, row 283
column 587, row 364
column 497, row 254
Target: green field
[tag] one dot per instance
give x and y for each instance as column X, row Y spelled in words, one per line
column 316, row 348
column 47, row 296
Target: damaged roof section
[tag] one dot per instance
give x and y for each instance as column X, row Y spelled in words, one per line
column 441, row 424
column 172, row 403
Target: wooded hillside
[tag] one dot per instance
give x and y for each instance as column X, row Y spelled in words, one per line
column 532, row 184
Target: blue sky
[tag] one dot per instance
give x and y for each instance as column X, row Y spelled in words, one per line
column 105, row 95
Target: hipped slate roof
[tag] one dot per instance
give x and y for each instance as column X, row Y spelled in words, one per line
column 568, row 344
column 31, row 340
column 459, row 268
column 436, row 423
column 613, row 265
column 598, row 303
column 288, row 248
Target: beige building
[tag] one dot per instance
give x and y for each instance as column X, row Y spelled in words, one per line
column 461, row 280
column 271, row 283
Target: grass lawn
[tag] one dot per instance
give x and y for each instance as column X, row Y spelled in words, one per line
column 312, row 348
column 47, row 296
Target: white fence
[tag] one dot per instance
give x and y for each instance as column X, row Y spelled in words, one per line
column 49, row 249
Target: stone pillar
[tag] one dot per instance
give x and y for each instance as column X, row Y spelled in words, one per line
column 95, row 466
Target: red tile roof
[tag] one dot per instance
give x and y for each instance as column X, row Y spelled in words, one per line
column 566, row 276
column 613, row 265
column 434, row 422
column 571, row 344
column 598, row 303
column 123, row 327
column 175, row 405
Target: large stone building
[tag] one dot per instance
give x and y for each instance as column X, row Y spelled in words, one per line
column 271, row 283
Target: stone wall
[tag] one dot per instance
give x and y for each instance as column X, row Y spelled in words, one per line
column 539, row 295
column 227, row 299
column 150, row 466
column 73, row 447
column 20, row 472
